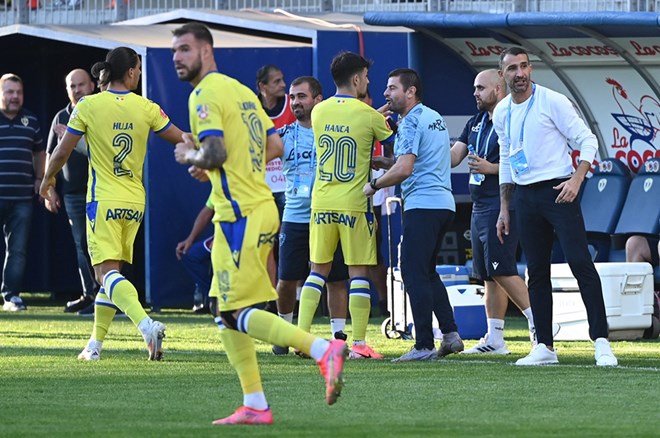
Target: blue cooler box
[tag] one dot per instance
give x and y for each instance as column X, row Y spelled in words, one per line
column 466, row 300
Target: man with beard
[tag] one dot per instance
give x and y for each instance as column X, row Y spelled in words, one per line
column 21, row 172
column 299, row 166
column 493, row 263
column 534, row 125
column 245, row 222
column 344, row 131
column 422, row 167
column 74, row 187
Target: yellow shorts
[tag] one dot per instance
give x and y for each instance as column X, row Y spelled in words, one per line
column 239, row 257
column 111, row 229
column 355, row 230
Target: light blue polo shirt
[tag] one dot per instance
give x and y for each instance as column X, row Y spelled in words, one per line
column 423, row 132
column 299, row 166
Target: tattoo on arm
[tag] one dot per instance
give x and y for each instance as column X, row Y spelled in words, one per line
column 505, row 192
column 211, row 155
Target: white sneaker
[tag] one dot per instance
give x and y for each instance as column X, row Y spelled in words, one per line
column 415, row 354
column 487, row 348
column 90, row 354
column 540, row 355
column 532, row 336
column 154, row 339
column 14, row 304
column 604, row 355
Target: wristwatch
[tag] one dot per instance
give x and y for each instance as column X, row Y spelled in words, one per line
column 373, row 182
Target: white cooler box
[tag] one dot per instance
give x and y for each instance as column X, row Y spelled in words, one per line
column 628, row 296
column 466, row 300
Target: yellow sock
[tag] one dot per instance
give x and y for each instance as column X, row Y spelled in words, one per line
column 359, row 306
column 270, row 328
column 243, row 357
column 124, row 295
column 104, row 312
column 309, row 300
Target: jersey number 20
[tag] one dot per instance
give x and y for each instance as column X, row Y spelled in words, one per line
column 344, row 151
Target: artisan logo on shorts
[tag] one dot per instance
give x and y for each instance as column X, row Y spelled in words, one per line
column 124, row 213
column 333, row 217
column 202, row 112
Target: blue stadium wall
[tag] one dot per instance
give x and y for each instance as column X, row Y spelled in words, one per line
column 173, row 198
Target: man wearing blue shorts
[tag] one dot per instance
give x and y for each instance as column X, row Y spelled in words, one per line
column 493, row 262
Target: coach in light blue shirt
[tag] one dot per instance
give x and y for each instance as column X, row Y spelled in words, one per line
column 422, row 167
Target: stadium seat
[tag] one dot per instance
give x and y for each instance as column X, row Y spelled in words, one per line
column 641, row 211
column 602, row 199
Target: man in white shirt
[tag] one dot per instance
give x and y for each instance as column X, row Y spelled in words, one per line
column 534, row 125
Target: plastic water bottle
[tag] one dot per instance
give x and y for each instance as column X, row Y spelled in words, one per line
column 477, row 176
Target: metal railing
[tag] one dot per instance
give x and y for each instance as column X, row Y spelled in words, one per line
column 71, row 12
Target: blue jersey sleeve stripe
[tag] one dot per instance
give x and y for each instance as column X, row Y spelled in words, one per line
column 271, row 131
column 389, row 139
column 164, row 127
column 216, row 132
column 74, row 131
column 225, row 190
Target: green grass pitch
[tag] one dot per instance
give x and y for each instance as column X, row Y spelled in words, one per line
column 45, row 391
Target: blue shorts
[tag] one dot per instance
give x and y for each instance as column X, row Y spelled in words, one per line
column 490, row 257
column 294, row 255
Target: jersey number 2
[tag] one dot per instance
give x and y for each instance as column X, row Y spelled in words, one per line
column 125, row 142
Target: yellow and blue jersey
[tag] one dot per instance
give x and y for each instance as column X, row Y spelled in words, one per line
column 345, row 130
column 221, row 106
column 116, row 126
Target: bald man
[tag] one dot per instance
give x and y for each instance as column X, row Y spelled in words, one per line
column 74, row 186
column 493, row 262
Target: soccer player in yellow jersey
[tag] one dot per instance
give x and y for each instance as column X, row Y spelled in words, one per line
column 345, row 130
column 233, row 138
column 116, row 124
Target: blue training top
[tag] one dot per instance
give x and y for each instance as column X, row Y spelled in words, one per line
column 299, row 168
column 423, row 132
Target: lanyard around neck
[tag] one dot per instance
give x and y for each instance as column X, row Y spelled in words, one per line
column 481, row 129
column 312, row 160
column 522, row 126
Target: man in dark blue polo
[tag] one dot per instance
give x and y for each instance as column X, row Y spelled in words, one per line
column 74, row 187
column 21, row 170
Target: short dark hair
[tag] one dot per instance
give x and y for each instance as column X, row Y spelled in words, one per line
column 263, row 74
column 10, row 77
column 345, row 65
column 117, row 62
column 314, row 84
column 198, row 30
column 513, row 51
column 408, row 78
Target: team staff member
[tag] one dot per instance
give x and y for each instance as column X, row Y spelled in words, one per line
column 422, row 167
column 21, row 165
column 271, row 91
column 299, row 165
column 116, row 125
column 534, row 125
column 245, row 221
column 345, row 129
column 493, row 262
column 74, row 186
